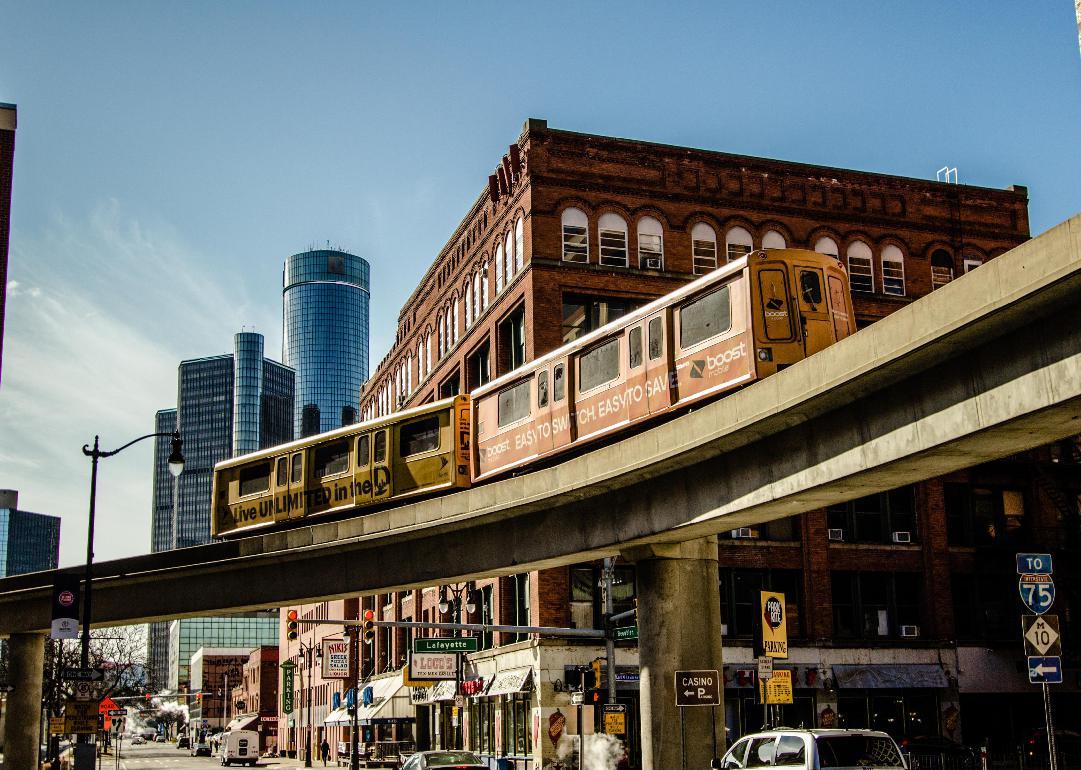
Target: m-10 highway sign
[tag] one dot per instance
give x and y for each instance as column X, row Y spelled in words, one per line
column 446, row 644
column 698, row 688
column 1042, row 636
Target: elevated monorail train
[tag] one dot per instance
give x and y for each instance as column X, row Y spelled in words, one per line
column 731, row 327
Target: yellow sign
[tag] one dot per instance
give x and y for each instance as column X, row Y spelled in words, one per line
column 774, row 625
column 615, row 723
column 56, row 725
column 413, row 682
column 778, row 688
column 81, row 717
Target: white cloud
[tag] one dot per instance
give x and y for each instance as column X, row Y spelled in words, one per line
column 100, row 313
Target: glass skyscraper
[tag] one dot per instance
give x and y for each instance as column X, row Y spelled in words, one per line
column 226, row 405
column 325, row 317
column 29, row 542
column 185, row 636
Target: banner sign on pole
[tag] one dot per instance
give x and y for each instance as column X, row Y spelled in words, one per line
column 288, row 668
column 774, row 625
column 65, row 623
column 336, row 659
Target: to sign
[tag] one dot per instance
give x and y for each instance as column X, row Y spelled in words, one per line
column 698, row 688
column 1042, row 635
column 615, row 719
column 1037, row 592
column 446, row 644
column 1045, row 670
column 433, row 666
column 1034, row 564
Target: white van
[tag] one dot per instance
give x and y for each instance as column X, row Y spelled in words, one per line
column 241, row 747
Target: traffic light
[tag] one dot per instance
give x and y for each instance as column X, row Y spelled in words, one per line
column 148, row 698
column 292, row 631
column 368, row 626
column 597, row 681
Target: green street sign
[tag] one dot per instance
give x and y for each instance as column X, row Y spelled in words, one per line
column 627, row 632
column 287, row 687
column 447, row 644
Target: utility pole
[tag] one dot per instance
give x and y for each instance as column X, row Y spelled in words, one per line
column 609, row 638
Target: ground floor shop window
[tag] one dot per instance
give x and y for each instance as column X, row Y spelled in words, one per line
column 896, row 712
column 517, row 733
column 744, row 715
column 482, row 726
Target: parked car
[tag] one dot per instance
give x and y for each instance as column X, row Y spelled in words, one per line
column 933, row 751
column 200, row 749
column 138, row 740
column 159, row 739
column 182, row 742
column 466, row 760
column 813, row 749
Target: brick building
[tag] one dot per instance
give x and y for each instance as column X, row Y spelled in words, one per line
column 254, row 701
column 902, row 611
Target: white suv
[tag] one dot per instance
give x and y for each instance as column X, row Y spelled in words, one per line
column 814, row 750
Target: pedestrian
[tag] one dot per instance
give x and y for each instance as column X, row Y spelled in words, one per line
column 324, row 749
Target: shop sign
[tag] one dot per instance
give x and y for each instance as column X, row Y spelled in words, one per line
column 776, row 689
column 288, row 668
column 409, row 681
column 774, row 625
column 432, row 666
column 473, row 686
column 336, row 659
column 421, row 696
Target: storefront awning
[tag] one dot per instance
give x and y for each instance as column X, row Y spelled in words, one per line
column 243, row 722
column 890, row 676
column 390, row 702
column 337, row 717
column 511, row 681
column 440, row 691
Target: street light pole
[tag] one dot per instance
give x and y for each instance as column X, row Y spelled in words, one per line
column 457, row 590
column 176, row 465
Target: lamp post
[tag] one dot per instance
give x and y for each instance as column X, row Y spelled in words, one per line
column 452, row 597
column 310, row 652
column 176, row 465
column 353, row 634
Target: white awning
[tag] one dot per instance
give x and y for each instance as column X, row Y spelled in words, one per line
column 510, row 681
column 337, row 716
column 242, row 722
column 390, row 702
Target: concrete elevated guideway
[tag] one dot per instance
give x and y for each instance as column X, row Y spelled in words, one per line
column 985, row 367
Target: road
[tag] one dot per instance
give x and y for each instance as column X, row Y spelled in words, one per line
column 156, row 756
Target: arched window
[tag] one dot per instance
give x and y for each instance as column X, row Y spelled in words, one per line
column 499, row 268
column 468, row 292
column 420, row 361
column 508, row 249
column 737, row 243
column 972, row 261
column 484, row 286
column 428, row 354
column 650, row 244
column 941, row 268
column 441, row 333
column 575, row 236
column 454, row 320
column 612, row 231
column 773, row 240
column 893, row 271
column 861, row 274
column 703, row 248
column 826, row 245
column 519, row 244
column 476, row 296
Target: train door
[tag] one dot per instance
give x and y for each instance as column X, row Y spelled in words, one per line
column 774, row 331
column 560, row 414
column 840, row 305
column 542, row 420
column 294, row 488
column 814, row 315
column 362, row 474
column 638, row 404
column 381, row 481
column 660, row 381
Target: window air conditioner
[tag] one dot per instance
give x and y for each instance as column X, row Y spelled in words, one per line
column 653, row 263
column 902, row 537
column 745, row 533
column 836, row 534
column 910, row 632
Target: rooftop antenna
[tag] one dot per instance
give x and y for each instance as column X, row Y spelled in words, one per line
column 945, row 173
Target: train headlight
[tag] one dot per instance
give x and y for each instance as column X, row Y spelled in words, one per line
column 765, row 354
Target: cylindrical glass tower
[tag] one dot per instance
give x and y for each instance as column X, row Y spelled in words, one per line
column 325, row 317
column 247, row 391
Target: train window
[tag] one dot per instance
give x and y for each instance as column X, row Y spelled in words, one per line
column 298, row 469
column 254, row 479
column 656, row 339
column 778, row 321
column 634, row 347
column 514, row 403
column 331, row 459
column 810, row 287
column 363, row 451
column 542, row 389
column 559, row 384
column 599, row 365
column 705, row 318
column 283, row 471
column 419, row 436
column 381, row 446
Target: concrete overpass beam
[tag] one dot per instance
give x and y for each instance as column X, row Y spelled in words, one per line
column 679, row 628
column 22, row 724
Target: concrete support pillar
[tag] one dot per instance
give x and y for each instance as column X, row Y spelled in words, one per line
column 679, row 628
column 22, row 727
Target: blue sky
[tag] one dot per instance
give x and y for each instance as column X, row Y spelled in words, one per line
column 170, row 156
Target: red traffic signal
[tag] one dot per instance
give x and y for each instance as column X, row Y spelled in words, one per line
column 292, row 628
column 368, row 626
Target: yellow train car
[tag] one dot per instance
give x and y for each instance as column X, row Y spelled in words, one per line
column 411, row 453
